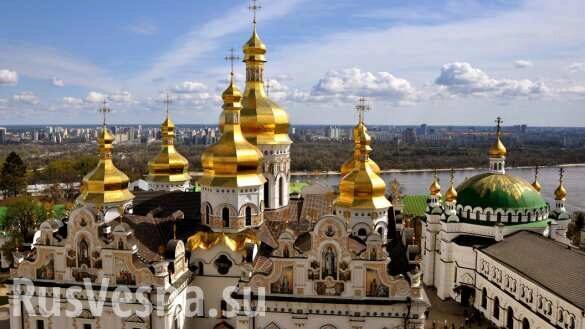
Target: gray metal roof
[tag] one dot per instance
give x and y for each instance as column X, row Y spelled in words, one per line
column 545, row 262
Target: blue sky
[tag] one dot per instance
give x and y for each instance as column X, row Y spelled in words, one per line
column 439, row 62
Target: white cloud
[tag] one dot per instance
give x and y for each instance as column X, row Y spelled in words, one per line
column 26, row 97
column 355, row 82
column 576, row 67
column 461, row 78
column 8, row 77
column 57, row 82
column 72, row 101
column 44, row 63
column 190, row 87
column 121, row 97
column 522, row 64
column 205, row 38
column 95, row 97
column 143, row 27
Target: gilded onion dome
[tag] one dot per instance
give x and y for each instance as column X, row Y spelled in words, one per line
column 359, row 130
column 263, row 121
column 435, row 188
column 498, row 150
column 451, row 194
column 232, row 161
column 169, row 165
column 362, row 187
column 561, row 191
column 106, row 184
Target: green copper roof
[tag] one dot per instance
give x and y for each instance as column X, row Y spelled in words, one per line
column 499, row 191
column 414, row 205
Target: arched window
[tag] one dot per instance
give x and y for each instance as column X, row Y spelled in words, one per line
column 208, row 212
column 484, row 298
column 519, row 217
column 529, row 216
column 510, row 318
column 525, row 324
column 266, row 194
column 509, row 217
column 468, row 213
column 281, row 191
column 285, row 252
column 225, row 217
column 248, row 216
column 477, row 215
column 83, row 254
column 499, row 217
column 362, row 233
column 496, row 311
column 381, row 231
column 488, row 216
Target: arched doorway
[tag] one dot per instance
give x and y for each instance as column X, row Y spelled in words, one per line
column 525, row 324
column 510, row 318
column 248, row 216
column 266, row 194
column 467, row 295
column 225, row 217
column 484, row 298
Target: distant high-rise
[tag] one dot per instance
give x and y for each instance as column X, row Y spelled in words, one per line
column 2, row 135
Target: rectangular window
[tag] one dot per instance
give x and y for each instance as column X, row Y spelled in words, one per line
column 86, row 326
column 40, row 324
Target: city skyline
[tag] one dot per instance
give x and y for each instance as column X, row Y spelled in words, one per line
column 443, row 63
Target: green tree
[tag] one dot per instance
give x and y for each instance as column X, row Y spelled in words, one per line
column 575, row 227
column 23, row 216
column 13, row 175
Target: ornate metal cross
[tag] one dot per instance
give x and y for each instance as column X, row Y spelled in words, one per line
column 254, row 7
column 167, row 101
column 104, row 110
column 362, row 107
column 232, row 58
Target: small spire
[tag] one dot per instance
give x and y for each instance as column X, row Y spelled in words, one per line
column 232, row 58
column 167, row 102
column 536, row 183
column 254, row 7
column 362, row 107
column 499, row 122
column 104, row 110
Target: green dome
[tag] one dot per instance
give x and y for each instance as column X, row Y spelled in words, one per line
column 499, row 191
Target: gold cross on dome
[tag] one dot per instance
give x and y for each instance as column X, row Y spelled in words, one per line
column 104, row 110
column 561, row 174
column 499, row 122
column 232, row 58
column 254, row 7
column 268, row 86
column 536, row 169
column 362, row 107
column 167, row 101
column 452, row 176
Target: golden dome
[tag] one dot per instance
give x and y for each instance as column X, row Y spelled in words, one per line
column 263, row 121
column 362, row 187
column 560, row 192
column 359, row 130
column 169, row 165
column 451, row 194
column 106, row 184
column 232, row 161
column 498, row 150
column 435, row 188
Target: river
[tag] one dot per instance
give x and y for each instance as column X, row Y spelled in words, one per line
column 418, row 181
